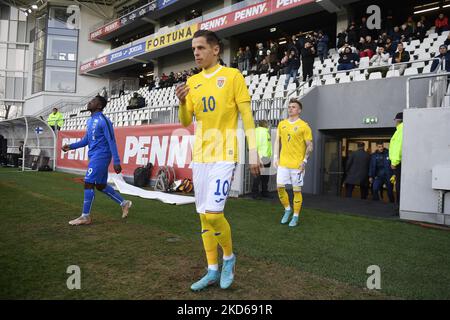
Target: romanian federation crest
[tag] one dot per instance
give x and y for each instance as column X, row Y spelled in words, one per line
column 221, row 82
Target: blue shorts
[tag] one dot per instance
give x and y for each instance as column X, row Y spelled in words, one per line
column 97, row 172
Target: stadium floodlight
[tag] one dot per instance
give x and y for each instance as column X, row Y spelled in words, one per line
column 25, row 13
column 29, row 10
column 34, row 7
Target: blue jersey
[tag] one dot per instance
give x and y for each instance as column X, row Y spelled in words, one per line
column 100, row 138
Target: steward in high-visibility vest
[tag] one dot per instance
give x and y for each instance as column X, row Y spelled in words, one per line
column 395, row 155
column 264, row 148
column 55, row 119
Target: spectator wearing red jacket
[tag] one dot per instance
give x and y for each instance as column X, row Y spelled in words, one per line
column 441, row 23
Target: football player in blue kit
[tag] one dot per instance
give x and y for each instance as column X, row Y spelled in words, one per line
column 102, row 147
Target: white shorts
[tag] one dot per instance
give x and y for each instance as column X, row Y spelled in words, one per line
column 212, row 184
column 290, row 176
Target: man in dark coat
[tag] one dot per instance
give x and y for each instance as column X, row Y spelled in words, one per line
column 357, row 172
column 380, row 172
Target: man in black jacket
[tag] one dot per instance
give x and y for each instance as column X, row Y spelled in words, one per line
column 357, row 168
column 308, row 54
column 293, row 64
column 444, row 58
column 401, row 56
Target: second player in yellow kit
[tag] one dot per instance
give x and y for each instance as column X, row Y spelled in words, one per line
column 295, row 137
column 216, row 96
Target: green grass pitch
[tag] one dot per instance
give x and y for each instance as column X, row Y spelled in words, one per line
column 157, row 253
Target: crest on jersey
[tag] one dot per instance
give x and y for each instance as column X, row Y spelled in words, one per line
column 221, row 82
column 295, row 129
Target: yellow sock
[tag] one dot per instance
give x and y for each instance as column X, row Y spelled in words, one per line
column 284, row 197
column 222, row 231
column 209, row 241
column 298, row 200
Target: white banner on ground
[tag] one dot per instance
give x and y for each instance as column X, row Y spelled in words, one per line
column 168, row 198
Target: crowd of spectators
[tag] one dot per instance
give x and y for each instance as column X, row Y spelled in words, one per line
column 167, row 81
column 382, row 46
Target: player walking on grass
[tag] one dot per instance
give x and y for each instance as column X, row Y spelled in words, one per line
column 102, row 146
column 216, row 96
column 296, row 146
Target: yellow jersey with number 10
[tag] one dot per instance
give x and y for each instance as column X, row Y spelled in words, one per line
column 293, row 136
column 213, row 97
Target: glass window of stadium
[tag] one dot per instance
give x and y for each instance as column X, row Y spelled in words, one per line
column 56, row 52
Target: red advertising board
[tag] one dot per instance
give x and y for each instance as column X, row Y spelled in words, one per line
column 162, row 145
column 254, row 11
column 116, row 24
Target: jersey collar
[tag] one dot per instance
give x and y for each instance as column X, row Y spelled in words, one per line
column 211, row 72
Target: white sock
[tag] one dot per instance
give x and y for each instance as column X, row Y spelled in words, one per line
column 228, row 257
column 214, row 267
column 296, row 214
column 288, row 208
column 85, row 215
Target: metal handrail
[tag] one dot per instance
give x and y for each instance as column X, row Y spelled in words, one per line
column 428, row 76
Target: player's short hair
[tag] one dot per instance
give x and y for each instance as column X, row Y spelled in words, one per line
column 361, row 145
column 102, row 100
column 380, row 143
column 295, row 100
column 211, row 38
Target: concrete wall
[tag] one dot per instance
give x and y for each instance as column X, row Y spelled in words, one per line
column 426, row 143
column 344, row 106
column 176, row 62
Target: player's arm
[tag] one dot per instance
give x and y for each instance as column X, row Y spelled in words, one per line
column 186, row 110
column 109, row 135
column 309, row 146
column 243, row 102
column 80, row 144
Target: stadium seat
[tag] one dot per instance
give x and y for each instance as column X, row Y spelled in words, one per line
column 375, row 75
column 411, row 72
column 359, row 77
column 393, row 73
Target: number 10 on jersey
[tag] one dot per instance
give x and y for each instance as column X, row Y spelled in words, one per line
column 209, row 104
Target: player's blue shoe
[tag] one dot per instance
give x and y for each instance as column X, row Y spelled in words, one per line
column 227, row 276
column 209, row 279
column 294, row 221
column 287, row 214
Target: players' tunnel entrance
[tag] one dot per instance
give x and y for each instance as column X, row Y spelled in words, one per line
column 337, row 146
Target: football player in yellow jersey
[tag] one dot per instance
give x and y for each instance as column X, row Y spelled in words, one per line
column 295, row 137
column 215, row 96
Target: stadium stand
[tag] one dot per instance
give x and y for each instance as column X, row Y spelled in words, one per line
column 263, row 87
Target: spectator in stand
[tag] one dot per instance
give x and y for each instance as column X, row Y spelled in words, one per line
column 381, row 61
column 341, row 39
column 260, row 53
column 273, row 56
column 275, row 69
column 241, row 59
column 352, row 34
column 284, row 62
column 248, row 58
column 389, row 23
column 382, row 38
column 322, row 46
column 443, row 58
column 406, row 33
column 263, row 66
column 342, row 49
column 424, row 22
column 300, row 42
column 401, row 56
column 367, row 48
column 411, row 24
column 447, row 41
column 420, row 32
column 363, row 30
column 348, row 60
column 308, row 54
column 441, row 23
column 292, row 45
column 396, row 36
column 135, row 102
column 293, row 64
column 389, row 47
